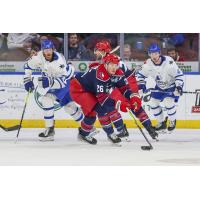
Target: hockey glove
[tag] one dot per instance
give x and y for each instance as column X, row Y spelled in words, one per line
column 45, row 82
column 142, row 89
column 136, row 102
column 178, row 91
column 122, row 105
column 28, row 84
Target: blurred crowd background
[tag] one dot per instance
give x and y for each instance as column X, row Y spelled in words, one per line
column 80, row 46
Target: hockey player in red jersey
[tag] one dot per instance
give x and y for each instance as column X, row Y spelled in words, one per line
column 102, row 49
column 93, row 91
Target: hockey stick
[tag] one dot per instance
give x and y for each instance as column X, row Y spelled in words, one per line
column 184, row 92
column 11, row 128
column 22, row 117
column 115, row 49
column 149, row 147
column 147, row 98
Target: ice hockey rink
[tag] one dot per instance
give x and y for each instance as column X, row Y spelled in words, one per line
column 182, row 147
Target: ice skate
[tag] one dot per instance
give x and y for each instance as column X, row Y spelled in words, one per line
column 114, row 138
column 152, row 132
column 161, row 127
column 47, row 135
column 88, row 138
column 124, row 134
column 172, row 126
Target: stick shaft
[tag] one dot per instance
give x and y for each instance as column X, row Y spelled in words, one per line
column 145, row 137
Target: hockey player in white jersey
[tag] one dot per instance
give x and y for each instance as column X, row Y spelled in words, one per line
column 168, row 88
column 53, row 85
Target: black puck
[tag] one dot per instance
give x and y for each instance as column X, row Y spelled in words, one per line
column 146, row 148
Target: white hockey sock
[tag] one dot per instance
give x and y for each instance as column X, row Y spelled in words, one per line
column 157, row 110
column 48, row 108
column 171, row 108
column 75, row 111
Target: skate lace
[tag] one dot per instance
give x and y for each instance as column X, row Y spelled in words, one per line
column 94, row 132
column 89, row 137
column 171, row 123
column 46, row 132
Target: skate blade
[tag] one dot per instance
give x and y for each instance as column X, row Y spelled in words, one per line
column 162, row 132
column 115, row 144
column 80, row 139
column 170, row 132
column 94, row 133
column 46, row 139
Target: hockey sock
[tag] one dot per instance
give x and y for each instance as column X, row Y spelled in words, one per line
column 171, row 108
column 106, row 124
column 104, row 119
column 75, row 112
column 143, row 117
column 87, row 125
column 116, row 119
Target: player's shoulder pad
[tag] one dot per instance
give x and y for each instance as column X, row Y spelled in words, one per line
column 94, row 64
column 148, row 61
column 102, row 74
column 60, row 55
column 35, row 59
column 145, row 61
column 169, row 59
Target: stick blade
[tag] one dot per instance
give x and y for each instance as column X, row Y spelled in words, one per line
column 12, row 128
column 146, row 148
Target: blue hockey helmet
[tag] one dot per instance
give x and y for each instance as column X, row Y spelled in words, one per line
column 47, row 44
column 153, row 48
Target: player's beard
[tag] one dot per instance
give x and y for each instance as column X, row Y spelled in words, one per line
column 156, row 60
column 48, row 56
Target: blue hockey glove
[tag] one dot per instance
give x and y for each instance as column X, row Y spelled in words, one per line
column 28, row 84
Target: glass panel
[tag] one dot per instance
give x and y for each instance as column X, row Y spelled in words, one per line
column 185, row 45
column 81, row 45
column 20, row 46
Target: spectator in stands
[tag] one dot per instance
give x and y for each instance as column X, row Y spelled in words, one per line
column 20, row 40
column 19, row 46
column 172, row 52
column 127, row 52
column 2, row 38
column 3, row 46
column 57, row 39
column 77, row 51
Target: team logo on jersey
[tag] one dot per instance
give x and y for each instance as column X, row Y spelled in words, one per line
column 37, row 96
column 101, row 75
column 62, row 66
column 196, row 108
column 160, row 83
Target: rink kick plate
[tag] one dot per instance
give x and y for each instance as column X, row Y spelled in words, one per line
column 192, row 124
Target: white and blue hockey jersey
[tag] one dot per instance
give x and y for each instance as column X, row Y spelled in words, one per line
column 57, row 69
column 166, row 75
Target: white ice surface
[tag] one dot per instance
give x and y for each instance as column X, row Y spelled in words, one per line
column 182, row 147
